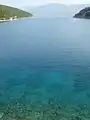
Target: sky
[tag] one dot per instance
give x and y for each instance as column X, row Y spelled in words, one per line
column 19, row 3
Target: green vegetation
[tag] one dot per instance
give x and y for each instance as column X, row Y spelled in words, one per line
column 7, row 12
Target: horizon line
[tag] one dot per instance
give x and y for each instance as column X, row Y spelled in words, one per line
column 46, row 4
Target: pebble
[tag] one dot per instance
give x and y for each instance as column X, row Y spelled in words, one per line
column 1, row 115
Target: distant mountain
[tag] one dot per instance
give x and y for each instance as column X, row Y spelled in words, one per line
column 6, row 12
column 55, row 10
column 84, row 13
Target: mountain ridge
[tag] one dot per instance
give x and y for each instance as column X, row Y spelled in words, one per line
column 84, row 13
column 55, row 9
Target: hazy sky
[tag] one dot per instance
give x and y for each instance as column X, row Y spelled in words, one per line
column 40, row 2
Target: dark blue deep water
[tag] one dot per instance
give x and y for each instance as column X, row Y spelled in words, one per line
column 45, row 69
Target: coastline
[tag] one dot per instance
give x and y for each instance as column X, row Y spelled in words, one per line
column 5, row 20
column 25, row 18
column 9, row 20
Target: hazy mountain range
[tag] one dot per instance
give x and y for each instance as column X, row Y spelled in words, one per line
column 55, row 10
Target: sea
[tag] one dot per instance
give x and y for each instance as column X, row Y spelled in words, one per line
column 45, row 69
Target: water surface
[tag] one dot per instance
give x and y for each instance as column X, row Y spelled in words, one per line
column 45, row 69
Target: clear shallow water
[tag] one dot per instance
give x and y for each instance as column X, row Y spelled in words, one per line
column 45, row 62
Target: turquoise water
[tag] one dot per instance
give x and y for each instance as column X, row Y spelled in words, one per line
column 45, row 69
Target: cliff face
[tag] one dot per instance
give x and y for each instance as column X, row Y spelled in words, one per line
column 85, row 13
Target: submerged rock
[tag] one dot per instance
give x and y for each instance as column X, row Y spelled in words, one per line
column 1, row 115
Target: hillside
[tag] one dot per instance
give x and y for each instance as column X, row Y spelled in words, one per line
column 84, row 13
column 7, row 12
